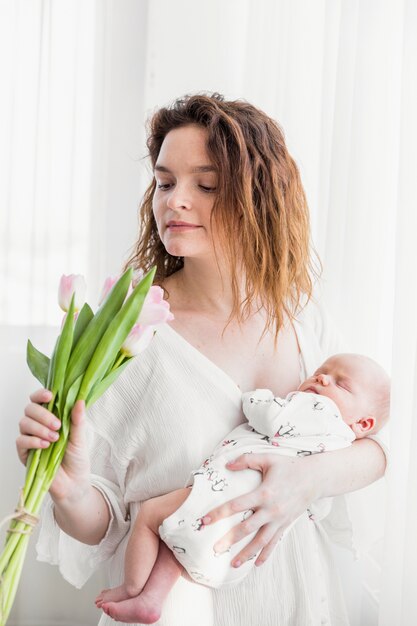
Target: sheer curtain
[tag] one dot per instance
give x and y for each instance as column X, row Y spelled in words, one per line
column 71, row 142
column 45, row 152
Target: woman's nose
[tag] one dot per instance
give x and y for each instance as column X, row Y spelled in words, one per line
column 179, row 198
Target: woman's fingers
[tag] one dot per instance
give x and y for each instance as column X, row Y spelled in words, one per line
column 38, row 427
column 248, row 525
column 41, row 395
column 270, row 547
column 29, row 426
column 38, row 414
column 247, row 501
column 261, row 545
column 24, row 443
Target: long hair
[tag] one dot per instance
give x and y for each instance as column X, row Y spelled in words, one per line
column 260, row 206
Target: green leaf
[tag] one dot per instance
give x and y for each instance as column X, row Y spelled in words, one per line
column 102, row 385
column 115, row 335
column 63, row 351
column 52, row 367
column 84, row 318
column 88, row 341
column 38, row 363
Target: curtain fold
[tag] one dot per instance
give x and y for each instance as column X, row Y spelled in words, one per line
column 399, row 571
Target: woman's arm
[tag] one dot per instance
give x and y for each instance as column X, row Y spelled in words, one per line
column 289, row 486
column 349, row 469
column 85, row 518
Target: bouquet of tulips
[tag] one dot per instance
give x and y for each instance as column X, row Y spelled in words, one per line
column 90, row 353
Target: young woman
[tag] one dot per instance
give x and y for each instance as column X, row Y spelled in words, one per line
column 226, row 222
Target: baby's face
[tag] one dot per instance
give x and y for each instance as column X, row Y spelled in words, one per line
column 347, row 380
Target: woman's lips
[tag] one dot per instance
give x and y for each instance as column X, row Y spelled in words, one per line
column 176, row 226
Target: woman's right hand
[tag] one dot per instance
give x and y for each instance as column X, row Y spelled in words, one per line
column 39, row 428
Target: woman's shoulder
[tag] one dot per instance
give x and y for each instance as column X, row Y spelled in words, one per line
column 316, row 329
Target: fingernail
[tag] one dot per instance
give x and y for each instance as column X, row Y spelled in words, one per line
column 237, row 563
column 53, row 435
column 56, row 424
column 206, row 519
column 231, row 462
column 44, row 444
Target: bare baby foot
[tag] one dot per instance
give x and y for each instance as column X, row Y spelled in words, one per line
column 115, row 594
column 144, row 608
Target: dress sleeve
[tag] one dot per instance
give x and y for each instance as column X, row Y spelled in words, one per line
column 352, row 521
column 78, row 561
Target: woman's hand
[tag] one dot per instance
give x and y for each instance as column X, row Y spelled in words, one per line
column 39, row 428
column 285, row 493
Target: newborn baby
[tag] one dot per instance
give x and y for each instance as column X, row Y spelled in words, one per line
column 346, row 398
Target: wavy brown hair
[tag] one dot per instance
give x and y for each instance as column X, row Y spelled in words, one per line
column 260, row 205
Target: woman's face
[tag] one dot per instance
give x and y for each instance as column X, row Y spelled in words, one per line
column 186, row 182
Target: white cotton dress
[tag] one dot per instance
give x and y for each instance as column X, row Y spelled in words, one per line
column 158, row 422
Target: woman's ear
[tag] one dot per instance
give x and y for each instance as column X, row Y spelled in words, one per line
column 363, row 426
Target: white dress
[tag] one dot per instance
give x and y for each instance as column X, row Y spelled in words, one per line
column 157, row 423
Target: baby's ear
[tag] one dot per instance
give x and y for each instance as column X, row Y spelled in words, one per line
column 363, row 426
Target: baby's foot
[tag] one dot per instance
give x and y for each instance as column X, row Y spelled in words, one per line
column 145, row 608
column 115, row 594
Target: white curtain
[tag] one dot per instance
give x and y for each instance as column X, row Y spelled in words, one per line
column 339, row 75
column 46, row 114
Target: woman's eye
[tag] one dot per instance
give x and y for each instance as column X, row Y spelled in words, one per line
column 163, row 186
column 208, row 189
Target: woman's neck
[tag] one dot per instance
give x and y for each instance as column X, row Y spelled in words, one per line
column 206, row 287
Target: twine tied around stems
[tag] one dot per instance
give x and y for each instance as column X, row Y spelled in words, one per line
column 21, row 515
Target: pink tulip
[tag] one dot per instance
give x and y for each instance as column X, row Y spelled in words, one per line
column 65, row 317
column 155, row 309
column 138, row 340
column 74, row 283
column 107, row 287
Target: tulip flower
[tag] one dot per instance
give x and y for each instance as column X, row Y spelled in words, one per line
column 138, row 340
column 108, row 285
column 91, row 351
column 74, row 283
column 155, row 309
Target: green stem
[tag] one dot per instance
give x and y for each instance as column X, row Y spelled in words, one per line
column 11, row 579
column 118, row 361
column 32, row 505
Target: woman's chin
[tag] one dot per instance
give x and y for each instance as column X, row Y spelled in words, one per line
column 182, row 250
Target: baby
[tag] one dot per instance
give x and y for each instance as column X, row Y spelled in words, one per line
column 345, row 399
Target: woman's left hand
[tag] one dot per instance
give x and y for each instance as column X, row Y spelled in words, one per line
column 286, row 491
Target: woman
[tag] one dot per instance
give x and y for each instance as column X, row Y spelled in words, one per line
column 226, row 222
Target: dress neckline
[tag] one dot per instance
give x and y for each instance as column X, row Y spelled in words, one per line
column 216, row 368
column 203, row 358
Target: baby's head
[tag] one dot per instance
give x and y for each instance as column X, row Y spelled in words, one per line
column 360, row 388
